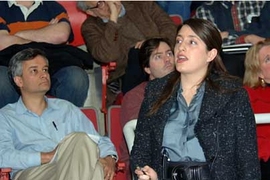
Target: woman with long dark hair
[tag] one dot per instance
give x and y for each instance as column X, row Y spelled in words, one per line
column 197, row 122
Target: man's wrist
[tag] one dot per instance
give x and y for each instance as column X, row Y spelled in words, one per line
column 113, row 156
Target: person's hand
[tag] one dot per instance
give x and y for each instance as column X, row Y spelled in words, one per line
column 224, row 34
column 108, row 164
column 138, row 44
column 46, row 157
column 115, row 8
column 146, row 173
column 253, row 39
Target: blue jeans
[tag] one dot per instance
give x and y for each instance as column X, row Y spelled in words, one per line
column 181, row 8
column 8, row 93
column 70, row 83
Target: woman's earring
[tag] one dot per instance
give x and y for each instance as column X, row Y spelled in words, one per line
column 263, row 84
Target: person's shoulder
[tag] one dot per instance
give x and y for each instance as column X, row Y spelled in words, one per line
column 226, row 81
column 91, row 20
column 3, row 4
column 52, row 4
column 139, row 87
column 59, row 101
column 208, row 5
column 158, row 84
column 12, row 110
column 61, row 104
column 4, row 7
column 258, row 90
column 163, row 79
column 249, row 88
column 232, row 82
column 139, row 4
column 136, row 91
column 8, row 108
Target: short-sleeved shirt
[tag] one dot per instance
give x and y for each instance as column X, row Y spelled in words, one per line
column 15, row 17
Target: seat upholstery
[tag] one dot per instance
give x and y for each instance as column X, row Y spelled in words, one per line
column 262, row 118
column 76, row 18
column 115, row 133
column 129, row 133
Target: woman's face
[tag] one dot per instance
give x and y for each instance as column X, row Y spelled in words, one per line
column 264, row 58
column 191, row 54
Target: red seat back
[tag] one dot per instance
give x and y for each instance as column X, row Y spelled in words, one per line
column 176, row 19
column 115, row 133
column 92, row 113
column 76, row 18
column 114, row 128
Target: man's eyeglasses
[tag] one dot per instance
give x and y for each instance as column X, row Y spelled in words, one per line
column 100, row 4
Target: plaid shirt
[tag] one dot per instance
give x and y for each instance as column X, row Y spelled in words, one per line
column 236, row 18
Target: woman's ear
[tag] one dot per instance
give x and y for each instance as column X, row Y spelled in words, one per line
column 211, row 55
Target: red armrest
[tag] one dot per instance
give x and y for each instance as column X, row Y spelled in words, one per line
column 106, row 68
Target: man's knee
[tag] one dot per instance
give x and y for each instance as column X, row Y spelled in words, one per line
column 72, row 76
column 4, row 77
column 8, row 93
column 70, row 79
column 79, row 136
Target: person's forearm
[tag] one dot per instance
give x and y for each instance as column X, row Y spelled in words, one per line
column 104, row 45
column 253, row 39
column 55, row 34
column 8, row 40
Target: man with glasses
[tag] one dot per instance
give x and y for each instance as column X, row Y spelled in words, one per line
column 114, row 28
column 100, row 4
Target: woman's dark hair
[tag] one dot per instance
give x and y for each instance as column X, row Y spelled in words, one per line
column 147, row 49
column 211, row 37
